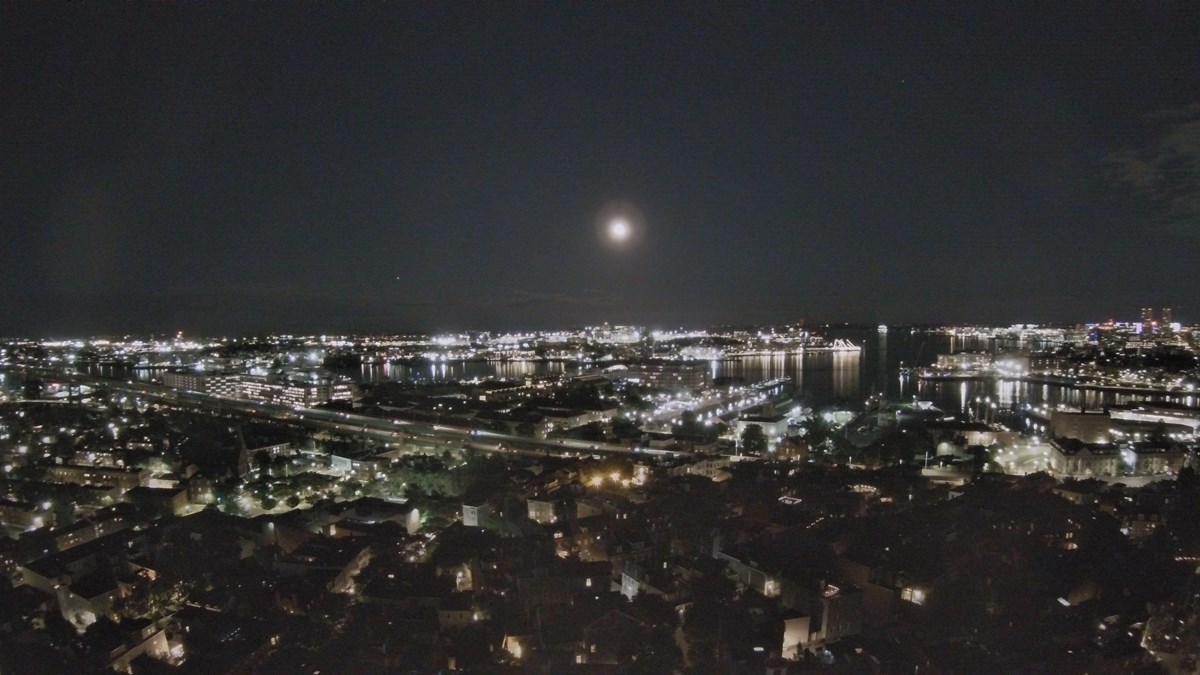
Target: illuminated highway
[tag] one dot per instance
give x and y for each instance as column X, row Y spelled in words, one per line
column 713, row 406
column 418, row 436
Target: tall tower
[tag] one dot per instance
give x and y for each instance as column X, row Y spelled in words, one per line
column 1147, row 315
column 1166, row 315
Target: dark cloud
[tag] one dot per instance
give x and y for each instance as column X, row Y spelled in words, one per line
column 1167, row 170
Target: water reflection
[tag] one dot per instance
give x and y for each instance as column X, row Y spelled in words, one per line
column 455, row 370
column 845, row 374
column 881, row 362
column 1008, row 393
column 820, row 377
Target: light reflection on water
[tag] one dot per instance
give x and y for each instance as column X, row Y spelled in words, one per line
column 455, row 370
column 821, row 377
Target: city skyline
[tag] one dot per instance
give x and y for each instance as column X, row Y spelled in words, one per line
column 229, row 169
column 1161, row 320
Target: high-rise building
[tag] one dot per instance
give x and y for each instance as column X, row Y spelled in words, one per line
column 1147, row 315
column 1167, row 315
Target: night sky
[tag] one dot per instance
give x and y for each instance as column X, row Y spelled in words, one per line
column 223, row 168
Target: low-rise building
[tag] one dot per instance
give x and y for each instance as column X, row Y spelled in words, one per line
column 88, row 529
column 715, row 467
column 561, row 583
column 24, row 516
column 159, row 501
column 965, row 361
column 456, row 610
column 77, row 474
column 543, row 510
column 335, row 561
column 1090, row 426
column 773, row 426
column 1074, row 457
column 1169, row 415
column 1152, row 458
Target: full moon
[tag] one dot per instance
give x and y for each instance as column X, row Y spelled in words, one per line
column 619, row 225
column 618, row 229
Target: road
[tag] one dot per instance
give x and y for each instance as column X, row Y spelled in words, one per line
column 419, row 435
column 710, row 407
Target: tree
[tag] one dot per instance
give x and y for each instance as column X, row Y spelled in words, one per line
column 1160, row 434
column 1187, row 480
column 754, row 441
column 625, row 428
column 60, row 630
column 350, row 488
column 154, row 599
column 64, row 512
column 292, row 501
column 979, row 458
column 817, row 430
column 592, row 431
column 691, row 428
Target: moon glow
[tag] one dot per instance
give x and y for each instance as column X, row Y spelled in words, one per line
column 620, row 225
column 618, row 229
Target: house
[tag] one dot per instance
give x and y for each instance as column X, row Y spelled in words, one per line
column 560, row 582
column 1080, row 492
column 113, row 647
column 783, row 571
column 569, row 418
column 84, row 601
column 797, row 633
column 583, row 538
column 373, row 510
column 659, row 579
column 220, row 642
column 78, row 474
column 24, row 515
column 409, row 586
column 713, row 467
column 612, row 639
column 474, row 514
column 335, row 561
column 456, row 610
column 543, row 510
column 157, row 502
column 97, row 526
column 49, row 572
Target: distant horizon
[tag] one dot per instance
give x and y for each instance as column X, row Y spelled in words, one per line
column 186, row 334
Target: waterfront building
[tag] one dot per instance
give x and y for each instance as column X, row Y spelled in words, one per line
column 675, row 375
column 1074, row 457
